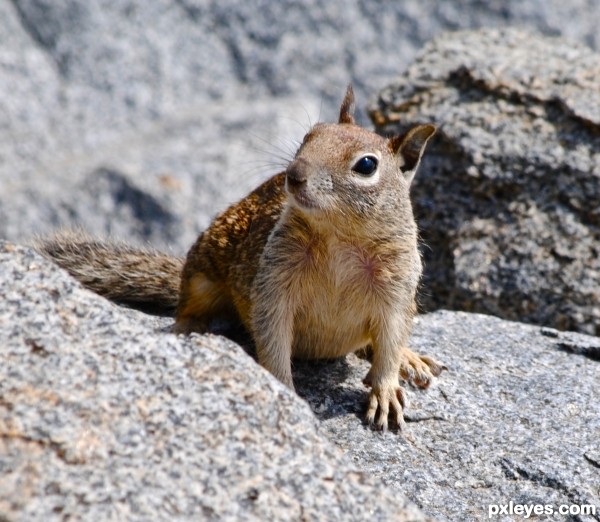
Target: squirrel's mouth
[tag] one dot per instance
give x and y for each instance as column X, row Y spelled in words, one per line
column 300, row 195
column 304, row 201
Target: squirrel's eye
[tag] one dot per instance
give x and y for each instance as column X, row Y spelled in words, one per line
column 366, row 166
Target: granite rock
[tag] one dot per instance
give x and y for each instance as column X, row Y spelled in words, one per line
column 104, row 415
column 506, row 199
column 514, row 419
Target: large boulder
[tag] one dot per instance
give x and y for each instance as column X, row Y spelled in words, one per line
column 105, row 415
column 508, row 197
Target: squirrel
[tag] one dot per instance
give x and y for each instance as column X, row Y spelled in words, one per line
column 319, row 261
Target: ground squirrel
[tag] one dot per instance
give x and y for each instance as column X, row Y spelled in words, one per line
column 319, row 261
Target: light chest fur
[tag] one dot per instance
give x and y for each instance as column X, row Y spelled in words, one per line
column 338, row 287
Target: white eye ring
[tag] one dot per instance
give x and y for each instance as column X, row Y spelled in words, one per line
column 365, row 169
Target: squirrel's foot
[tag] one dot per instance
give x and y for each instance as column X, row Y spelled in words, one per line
column 189, row 325
column 384, row 399
column 419, row 369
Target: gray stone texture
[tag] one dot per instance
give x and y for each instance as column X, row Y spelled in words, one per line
column 515, row 418
column 508, row 197
column 106, row 416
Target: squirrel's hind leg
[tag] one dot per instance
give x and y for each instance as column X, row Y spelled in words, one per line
column 414, row 368
column 200, row 302
column 419, row 369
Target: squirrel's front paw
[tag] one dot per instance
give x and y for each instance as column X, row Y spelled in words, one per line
column 419, row 369
column 382, row 399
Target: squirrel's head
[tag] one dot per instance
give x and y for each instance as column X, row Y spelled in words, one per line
column 344, row 170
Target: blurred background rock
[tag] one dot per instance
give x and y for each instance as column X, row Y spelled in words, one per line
column 143, row 120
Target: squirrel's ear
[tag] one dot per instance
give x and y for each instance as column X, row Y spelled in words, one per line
column 347, row 108
column 411, row 146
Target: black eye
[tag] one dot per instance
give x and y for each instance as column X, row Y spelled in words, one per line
column 366, row 166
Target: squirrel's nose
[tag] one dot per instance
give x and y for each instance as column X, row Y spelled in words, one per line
column 296, row 175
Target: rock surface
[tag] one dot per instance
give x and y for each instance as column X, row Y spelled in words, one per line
column 106, row 416
column 515, row 418
column 507, row 197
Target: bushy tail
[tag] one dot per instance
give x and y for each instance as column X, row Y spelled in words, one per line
column 139, row 278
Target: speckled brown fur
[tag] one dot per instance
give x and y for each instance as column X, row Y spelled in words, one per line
column 225, row 258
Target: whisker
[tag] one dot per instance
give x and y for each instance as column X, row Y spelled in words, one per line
column 282, row 156
column 283, row 152
column 320, row 108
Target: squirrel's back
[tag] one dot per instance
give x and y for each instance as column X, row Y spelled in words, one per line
column 136, row 277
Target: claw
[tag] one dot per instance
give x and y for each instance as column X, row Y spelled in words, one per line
column 401, row 398
column 380, row 400
column 382, row 421
column 372, row 409
column 419, row 369
column 435, row 367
